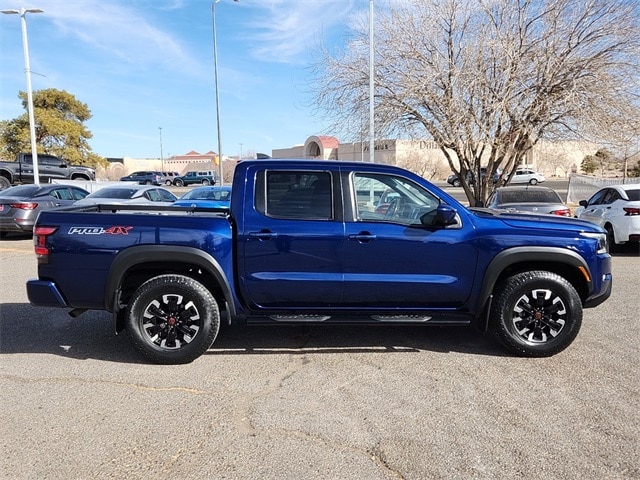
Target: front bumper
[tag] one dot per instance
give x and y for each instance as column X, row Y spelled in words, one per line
column 603, row 284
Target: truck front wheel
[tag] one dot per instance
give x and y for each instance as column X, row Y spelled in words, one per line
column 4, row 183
column 535, row 314
column 172, row 319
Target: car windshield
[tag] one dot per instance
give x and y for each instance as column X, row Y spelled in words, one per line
column 530, row 196
column 634, row 195
column 114, row 193
column 206, row 194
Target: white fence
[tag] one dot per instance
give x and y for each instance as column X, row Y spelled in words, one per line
column 581, row 187
column 91, row 186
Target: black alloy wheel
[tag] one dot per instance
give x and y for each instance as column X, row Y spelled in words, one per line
column 172, row 319
column 535, row 314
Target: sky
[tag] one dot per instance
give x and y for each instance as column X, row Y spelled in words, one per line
column 145, row 69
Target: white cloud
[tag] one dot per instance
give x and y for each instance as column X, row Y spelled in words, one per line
column 288, row 28
column 120, row 31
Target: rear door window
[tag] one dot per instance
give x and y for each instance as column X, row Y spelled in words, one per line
column 296, row 195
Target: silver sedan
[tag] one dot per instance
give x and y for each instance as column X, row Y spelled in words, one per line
column 528, row 199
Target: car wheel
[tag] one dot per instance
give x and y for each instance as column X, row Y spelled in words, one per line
column 178, row 183
column 168, row 183
column 206, row 182
column 535, row 314
column 457, row 183
column 611, row 239
column 172, row 319
column 533, row 181
column 4, row 183
column 148, row 182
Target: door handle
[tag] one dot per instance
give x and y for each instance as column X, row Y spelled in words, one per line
column 362, row 237
column 263, row 236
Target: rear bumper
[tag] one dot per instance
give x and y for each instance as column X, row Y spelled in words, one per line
column 43, row 293
column 10, row 225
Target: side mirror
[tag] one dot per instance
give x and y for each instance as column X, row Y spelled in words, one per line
column 446, row 215
column 442, row 216
column 583, row 203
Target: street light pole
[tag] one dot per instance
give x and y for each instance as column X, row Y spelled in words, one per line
column 215, row 64
column 371, row 82
column 161, row 155
column 27, row 71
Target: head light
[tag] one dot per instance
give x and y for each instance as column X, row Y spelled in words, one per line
column 601, row 238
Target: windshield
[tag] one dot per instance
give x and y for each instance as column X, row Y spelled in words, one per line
column 207, row 194
column 114, row 193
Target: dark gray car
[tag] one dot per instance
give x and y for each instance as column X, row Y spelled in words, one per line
column 528, row 199
column 20, row 205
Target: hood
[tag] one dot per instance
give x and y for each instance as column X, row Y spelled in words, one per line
column 537, row 221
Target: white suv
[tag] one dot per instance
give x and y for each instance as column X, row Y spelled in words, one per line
column 525, row 175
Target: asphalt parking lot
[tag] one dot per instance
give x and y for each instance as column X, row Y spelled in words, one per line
column 315, row 403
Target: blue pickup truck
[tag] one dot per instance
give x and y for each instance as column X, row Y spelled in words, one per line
column 309, row 242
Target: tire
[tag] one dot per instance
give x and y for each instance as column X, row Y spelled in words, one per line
column 4, row 183
column 457, row 183
column 172, row 319
column 148, row 182
column 178, row 183
column 168, row 183
column 535, row 314
column 611, row 239
column 206, row 182
column 533, row 181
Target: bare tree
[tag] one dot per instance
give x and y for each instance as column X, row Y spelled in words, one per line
column 427, row 166
column 487, row 79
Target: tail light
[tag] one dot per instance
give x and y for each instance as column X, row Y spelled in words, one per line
column 25, row 205
column 563, row 212
column 40, row 235
column 631, row 211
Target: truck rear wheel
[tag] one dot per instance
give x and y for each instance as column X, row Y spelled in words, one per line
column 535, row 314
column 172, row 319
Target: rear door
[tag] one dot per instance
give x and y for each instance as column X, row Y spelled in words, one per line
column 290, row 239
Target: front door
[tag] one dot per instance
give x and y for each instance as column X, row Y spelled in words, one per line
column 394, row 258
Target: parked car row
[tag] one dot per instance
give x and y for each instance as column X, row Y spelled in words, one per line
column 145, row 178
column 454, row 180
column 616, row 208
column 148, row 177
column 521, row 175
column 20, row 205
